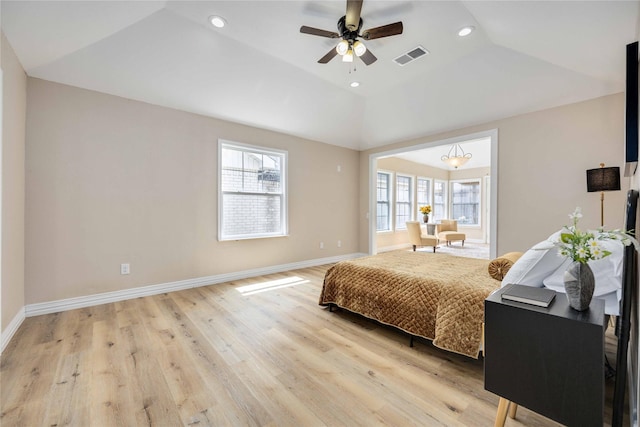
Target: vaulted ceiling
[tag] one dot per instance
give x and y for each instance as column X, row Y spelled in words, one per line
column 260, row 70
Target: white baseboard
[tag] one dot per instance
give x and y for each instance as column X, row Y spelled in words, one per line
column 108, row 297
column 11, row 329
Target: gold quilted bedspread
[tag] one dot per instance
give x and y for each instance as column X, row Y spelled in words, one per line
column 436, row 296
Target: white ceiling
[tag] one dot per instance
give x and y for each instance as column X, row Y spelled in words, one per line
column 480, row 150
column 260, row 70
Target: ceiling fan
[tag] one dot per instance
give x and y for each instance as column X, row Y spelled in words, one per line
column 349, row 31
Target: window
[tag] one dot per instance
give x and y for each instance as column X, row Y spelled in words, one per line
column 404, row 202
column 465, row 202
column 253, row 198
column 383, row 214
column 423, row 190
column 439, row 200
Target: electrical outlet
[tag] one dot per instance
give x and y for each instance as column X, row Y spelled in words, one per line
column 339, row 243
column 321, row 245
column 124, row 269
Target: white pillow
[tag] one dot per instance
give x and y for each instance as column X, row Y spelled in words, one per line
column 607, row 271
column 535, row 265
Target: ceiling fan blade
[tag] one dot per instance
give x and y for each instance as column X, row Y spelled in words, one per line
column 353, row 14
column 383, row 31
column 328, row 57
column 318, row 32
column 368, row 58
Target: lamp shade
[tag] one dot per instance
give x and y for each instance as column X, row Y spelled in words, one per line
column 603, row 179
column 342, row 47
column 359, row 48
column 348, row 57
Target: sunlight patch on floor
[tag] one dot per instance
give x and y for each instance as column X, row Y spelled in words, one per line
column 271, row 285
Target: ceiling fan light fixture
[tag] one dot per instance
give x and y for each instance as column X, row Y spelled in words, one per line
column 343, row 47
column 217, row 21
column 349, row 32
column 466, row 31
column 348, row 57
column 359, row 48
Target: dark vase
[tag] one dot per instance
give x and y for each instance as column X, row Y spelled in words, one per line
column 425, row 218
column 579, row 285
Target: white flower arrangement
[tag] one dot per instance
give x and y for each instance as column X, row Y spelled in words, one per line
column 583, row 246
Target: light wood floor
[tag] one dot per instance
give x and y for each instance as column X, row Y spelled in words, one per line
column 256, row 352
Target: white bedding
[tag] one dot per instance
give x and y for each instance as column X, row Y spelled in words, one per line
column 541, row 266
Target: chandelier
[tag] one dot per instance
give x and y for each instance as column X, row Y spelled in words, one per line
column 456, row 156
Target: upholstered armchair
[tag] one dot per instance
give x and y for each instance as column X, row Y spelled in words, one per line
column 419, row 238
column 447, row 230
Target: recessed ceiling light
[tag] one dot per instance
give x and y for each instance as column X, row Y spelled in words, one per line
column 217, row 21
column 354, row 84
column 465, row 31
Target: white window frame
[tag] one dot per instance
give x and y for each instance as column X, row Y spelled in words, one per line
column 390, row 202
column 477, row 181
column 445, row 207
column 420, row 203
column 403, row 225
column 283, row 193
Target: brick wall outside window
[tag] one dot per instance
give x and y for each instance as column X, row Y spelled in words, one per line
column 253, row 199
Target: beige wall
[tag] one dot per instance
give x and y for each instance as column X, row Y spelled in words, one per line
column 394, row 239
column 14, row 95
column 113, row 181
column 542, row 159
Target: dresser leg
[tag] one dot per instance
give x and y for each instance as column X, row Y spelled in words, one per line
column 501, row 415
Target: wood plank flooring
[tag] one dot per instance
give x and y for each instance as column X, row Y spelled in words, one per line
column 256, row 352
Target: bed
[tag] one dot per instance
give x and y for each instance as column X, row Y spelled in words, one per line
column 435, row 296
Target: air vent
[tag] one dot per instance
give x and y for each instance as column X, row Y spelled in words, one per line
column 410, row 56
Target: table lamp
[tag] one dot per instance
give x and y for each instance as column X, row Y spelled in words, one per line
column 603, row 179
